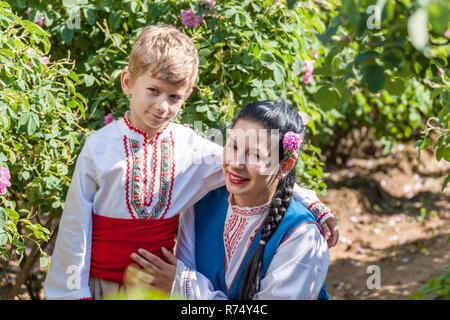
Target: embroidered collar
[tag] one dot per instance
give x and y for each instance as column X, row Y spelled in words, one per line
column 248, row 211
column 142, row 132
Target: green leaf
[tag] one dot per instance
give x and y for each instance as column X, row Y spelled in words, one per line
column 43, row 261
column 90, row 16
column 326, row 97
column 395, row 86
column 291, row 4
column 24, row 118
column 374, row 78
column 67, row 34
column 3, row 218
column 88, row 80
column 3, row 238
column 418, row 29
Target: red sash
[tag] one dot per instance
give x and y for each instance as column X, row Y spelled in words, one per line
column 114, row 240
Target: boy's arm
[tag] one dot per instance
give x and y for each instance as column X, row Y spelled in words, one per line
column 204, row 168
column 324, row 215
column 68, row 275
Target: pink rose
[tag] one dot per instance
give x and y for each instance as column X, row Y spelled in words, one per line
column 40, row 23
column 447, row 33
column 109, row 118
column 307, row 77
column 4, row 180
column 189, row 19
column 292, row 141
column 377, row 95
column 309, row 66
column 315, row 54
column 440, row 71
column 211, row 3
column 44, row 60
column 304, row 117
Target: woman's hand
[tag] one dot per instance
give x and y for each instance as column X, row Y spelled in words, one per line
column 331, row 231
column 163, row 273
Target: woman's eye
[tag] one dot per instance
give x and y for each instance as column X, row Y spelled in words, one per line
column 153, row 90
column 175, row 98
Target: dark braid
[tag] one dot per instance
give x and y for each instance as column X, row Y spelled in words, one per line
column 272, row 115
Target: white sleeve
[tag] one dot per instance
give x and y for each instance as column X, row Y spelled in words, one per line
column 205, row 168
column 68, row 274
column 185, row 249
column 299, row 267
column 188, row 283
column 311, row 202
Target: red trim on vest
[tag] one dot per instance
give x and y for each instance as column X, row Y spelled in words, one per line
column 114, row 240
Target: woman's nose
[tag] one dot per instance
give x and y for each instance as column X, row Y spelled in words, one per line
column 238, row 161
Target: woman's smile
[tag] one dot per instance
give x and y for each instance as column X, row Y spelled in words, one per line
column 236, row 179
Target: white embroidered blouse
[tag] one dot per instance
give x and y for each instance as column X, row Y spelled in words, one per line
column 121, row 174
column 297, row 271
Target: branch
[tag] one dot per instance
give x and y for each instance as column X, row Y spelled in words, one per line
column 31, row 259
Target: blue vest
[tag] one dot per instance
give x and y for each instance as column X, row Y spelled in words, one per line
column 210, row 215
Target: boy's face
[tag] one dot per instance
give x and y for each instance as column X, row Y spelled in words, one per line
column 153, row 102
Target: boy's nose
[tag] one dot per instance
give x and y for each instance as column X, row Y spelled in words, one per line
column 163, row 106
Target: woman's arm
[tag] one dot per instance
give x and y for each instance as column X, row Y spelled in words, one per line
column 68, row 274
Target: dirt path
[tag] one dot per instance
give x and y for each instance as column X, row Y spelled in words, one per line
column 392, row 215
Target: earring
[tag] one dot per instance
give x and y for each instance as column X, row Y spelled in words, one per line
column 288, row 164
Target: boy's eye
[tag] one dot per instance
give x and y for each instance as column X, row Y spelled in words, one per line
column 175, row 97
column 153, row 90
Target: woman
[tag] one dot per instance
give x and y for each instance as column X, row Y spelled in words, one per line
column 250, row 240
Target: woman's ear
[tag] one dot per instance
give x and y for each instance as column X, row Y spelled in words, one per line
column 286, row 167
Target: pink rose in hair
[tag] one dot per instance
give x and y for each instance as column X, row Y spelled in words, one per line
column 189, row 19
column 292, row 141
column 4, row 180
column 109, row 118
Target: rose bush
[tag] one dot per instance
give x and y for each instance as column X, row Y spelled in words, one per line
column 39, row 138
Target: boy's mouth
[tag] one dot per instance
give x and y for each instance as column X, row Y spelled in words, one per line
column 236, row 179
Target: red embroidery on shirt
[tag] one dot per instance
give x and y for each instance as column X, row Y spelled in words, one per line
column 128, row 176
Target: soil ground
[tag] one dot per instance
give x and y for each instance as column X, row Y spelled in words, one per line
column 392, row 214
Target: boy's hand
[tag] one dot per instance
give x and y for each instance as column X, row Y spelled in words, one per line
column 331, row 231
column 163, row 273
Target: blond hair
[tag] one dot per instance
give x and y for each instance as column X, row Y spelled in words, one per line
column 165, row 52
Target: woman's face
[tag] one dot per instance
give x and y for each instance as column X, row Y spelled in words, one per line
column 247, row 169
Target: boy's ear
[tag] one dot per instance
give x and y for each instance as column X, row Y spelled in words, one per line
column 126, row 82
column 188, row 94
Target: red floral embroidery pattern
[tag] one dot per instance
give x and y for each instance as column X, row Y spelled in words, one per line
column 139, row 182
column 128, row 176
column 234, row 229
column 173, row 173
